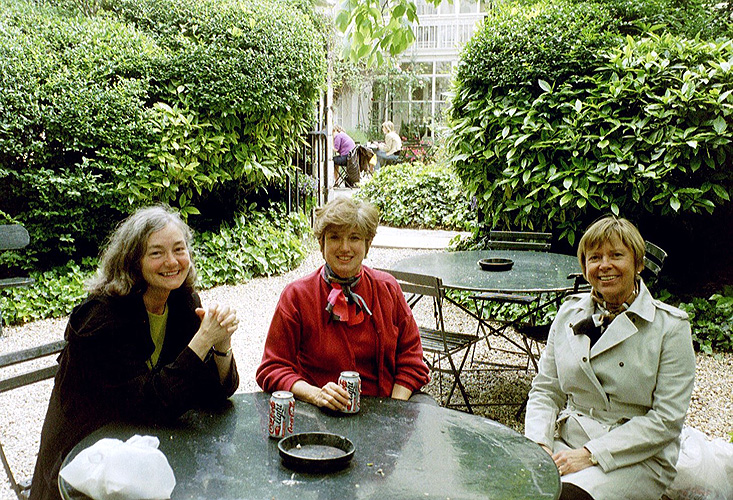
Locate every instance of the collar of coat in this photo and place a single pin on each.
(622, 327)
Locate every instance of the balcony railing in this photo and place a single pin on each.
(441, 33)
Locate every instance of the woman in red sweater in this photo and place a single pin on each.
(344, 316)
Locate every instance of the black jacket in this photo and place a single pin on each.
(103, 376)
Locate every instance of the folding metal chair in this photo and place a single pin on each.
(22, 489)
(441, 344)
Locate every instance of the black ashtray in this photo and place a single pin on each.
(496, 264)
(316, 451)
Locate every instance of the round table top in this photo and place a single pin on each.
(404, 450)
(532, 272)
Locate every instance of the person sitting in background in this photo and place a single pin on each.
(343, 317)
(140, 346)
(615, 379)
(343, 145)
(388, 151)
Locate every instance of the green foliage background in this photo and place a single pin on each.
(197, 103)
(419, 196)
(563, 111)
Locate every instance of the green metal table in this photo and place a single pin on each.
(533, 272)
(404, 450)
(541, 275)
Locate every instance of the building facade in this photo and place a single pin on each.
(414, 96)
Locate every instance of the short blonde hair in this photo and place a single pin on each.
(609, 227)
(337, 128)
(347, 212)
(389, 126)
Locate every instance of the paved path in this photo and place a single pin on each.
(391, 237)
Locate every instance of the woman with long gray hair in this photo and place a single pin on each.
(141, 348)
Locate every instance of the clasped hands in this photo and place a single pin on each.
(569, 461)
(331, 396)
(218, 323)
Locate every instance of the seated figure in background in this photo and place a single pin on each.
(342, 145)
(388, 151)
(344, 317)
(615, 379)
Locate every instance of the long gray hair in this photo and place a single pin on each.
(120, 268)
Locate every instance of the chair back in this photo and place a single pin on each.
(415, 286)
(653, 262)
(13, 237)
(519, 240)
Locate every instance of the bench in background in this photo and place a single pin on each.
(13, 237)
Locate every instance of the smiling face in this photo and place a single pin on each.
(610, 269)
(166, 261)
(344, 248)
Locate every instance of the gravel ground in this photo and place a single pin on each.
(23, 409)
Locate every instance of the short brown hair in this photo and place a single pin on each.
(347, 212)
(606, 228)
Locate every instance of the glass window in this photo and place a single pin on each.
(442, 67)
(468, 6)
(442, 85)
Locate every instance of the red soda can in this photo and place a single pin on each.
(351, 381)
(282, 414)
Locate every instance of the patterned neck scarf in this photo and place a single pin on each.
(343, 303)
(594, 326)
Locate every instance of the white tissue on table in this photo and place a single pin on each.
(111, 469)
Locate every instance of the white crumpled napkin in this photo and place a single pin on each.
(114, 470)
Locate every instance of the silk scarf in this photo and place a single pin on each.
(594, 326)
(343, 303)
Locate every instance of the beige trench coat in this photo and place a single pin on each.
(625, 399)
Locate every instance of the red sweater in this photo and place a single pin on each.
(302, 344)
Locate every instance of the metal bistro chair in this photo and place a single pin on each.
(13, 237)
(442, 345)
(26, 358)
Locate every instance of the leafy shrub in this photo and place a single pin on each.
(146, 101)
(257, 243)
(712, 321)
(419, 195)
(648, 133)
(520, 43)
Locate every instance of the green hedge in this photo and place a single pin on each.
(152, 100)
(647, 133)
(419, 196)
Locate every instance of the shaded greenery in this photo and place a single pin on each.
(638, 126)
(124, 103)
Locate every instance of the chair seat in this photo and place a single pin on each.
(432, 340)
(505, 297)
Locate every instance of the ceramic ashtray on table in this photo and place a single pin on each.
(496, 264)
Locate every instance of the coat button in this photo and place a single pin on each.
(621, 364)
(585, 359)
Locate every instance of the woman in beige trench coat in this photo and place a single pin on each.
(615, 379)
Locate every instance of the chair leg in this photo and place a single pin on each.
(13, 485)
(457, 382)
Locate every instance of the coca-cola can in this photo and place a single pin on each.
(282, 414)
(351, 381)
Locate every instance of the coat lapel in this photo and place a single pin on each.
(623, 327)
(579, 344)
